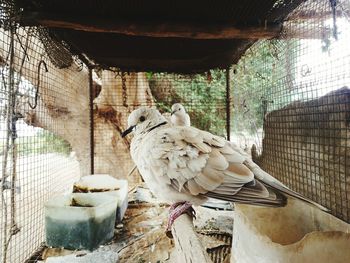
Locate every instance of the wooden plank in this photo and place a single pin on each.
(188, 247)
(154, 29)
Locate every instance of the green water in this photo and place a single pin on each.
(79, 234)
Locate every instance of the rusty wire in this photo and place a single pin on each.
(42, 62)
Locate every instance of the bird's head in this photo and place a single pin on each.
(143, 119)
(177, 109)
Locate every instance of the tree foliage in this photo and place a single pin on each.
(203, 96)
(264, 68)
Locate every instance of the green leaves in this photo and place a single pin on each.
(203, 96)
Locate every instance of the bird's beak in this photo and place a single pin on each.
(173, 112)
(128, 130)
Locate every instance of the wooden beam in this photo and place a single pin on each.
(168, 65)
(188, 247)
(153, 29)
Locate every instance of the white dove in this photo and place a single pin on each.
(179, 116)
(184, 165)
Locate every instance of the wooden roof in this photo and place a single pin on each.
(154, 35)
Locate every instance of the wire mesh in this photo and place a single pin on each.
(121, 93)
(36, 121)
(291, 101)
(290, 110)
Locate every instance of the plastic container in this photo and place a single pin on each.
(122, 199)
(295, 233)
(106, 184)
(80, 220)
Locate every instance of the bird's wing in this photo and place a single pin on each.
(200, 163)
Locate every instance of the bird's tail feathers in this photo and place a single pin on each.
(272, 182)
(254, 194)
(289, 192)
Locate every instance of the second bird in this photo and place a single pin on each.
(179, 116)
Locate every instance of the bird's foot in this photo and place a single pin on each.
(176, 210)
(174, 205)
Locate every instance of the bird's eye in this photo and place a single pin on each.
(142, 118)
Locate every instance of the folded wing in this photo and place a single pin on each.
(199, 163)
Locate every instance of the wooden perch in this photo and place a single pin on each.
(154, 29)
(188, 247)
